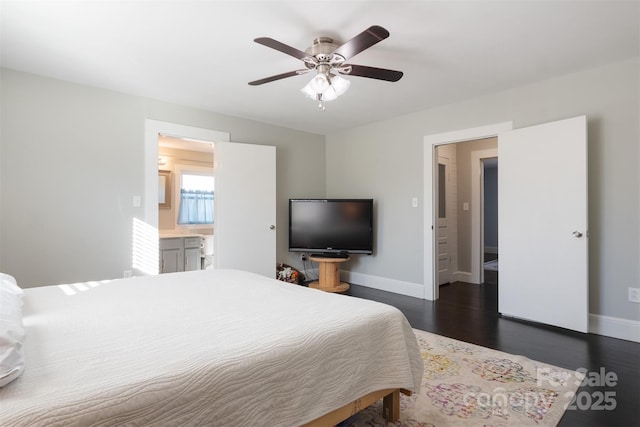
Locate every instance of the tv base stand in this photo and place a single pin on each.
(329, 274)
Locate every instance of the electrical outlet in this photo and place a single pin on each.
(634, 295)
(127, 274)
(303, 257)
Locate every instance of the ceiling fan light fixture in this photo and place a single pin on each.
(339, 84)
(309, 92)
(335, 87)
(330, 94)
(320, 82)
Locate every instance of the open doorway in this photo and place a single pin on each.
(147, 230)
(188, 167)
(186, 204)
(467, 212)
(489, 202)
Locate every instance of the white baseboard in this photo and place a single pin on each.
(410, 289)
(491, 249)
(461, 276)
(614, 327)
(602, 325)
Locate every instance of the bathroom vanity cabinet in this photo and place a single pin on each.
(180, 254)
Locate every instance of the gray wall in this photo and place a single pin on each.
(72, 159)
(384, 160)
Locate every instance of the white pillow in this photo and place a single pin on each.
(11, 330)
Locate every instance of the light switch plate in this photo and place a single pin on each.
(137, 201)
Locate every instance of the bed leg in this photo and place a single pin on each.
(391, 406)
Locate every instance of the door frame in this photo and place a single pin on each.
(431, 288)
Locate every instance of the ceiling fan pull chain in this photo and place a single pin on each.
(320, 102)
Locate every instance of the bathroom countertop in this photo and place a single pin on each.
(174, 235)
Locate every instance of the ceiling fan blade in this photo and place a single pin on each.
(278, 77)
(372, 72)
(275, 44)
(362, 41)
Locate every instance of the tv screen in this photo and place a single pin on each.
(331, 226)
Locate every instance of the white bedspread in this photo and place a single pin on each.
(215, 348)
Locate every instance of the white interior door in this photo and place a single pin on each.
(542, 232)
(245, 207)
(444, 253)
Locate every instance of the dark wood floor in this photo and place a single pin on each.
(469, 313)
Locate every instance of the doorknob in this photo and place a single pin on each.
(577, 233)
(272, 227)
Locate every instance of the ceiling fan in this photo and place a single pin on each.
(329, 62)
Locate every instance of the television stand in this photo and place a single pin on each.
(329, 274)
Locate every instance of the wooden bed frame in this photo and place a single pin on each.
(390, 407)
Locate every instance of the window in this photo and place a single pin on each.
(196, 198)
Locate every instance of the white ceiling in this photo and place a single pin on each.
(202, 54)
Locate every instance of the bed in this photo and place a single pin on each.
(214, 347)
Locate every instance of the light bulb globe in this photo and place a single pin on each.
(319, 83)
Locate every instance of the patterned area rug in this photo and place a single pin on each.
(468, 385)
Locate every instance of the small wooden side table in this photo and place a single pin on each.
(329, 274)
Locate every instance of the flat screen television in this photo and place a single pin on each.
(331, 227)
